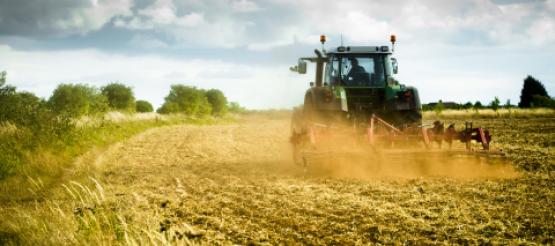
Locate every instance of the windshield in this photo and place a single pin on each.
(356, 70)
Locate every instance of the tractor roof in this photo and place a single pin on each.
(360, 50)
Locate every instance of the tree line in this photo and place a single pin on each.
(75, 100)
(533, 95)
(29, 123)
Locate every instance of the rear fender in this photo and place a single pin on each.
(324, 99)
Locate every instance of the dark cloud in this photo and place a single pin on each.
(184, 25)
(35, 17)
(40, 18)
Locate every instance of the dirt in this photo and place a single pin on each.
(236, 183)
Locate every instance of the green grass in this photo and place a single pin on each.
(48, 168)
(50, 163)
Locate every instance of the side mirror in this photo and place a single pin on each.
(300, 68)
(394, 65)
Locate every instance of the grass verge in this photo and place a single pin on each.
(48, 165)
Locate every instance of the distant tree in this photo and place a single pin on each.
(439, 107)
(477, 105)
(217, 99)
(26, 110)
(186, 99)
(3, 75)
(5, 89)
(531, 88)
(120, 96)
(168, 108)
(77, 99)
(467, 105)
(508, 104)
(543, 101)
(495, 104)
(16, 107)
(143, 106)
(234, 107)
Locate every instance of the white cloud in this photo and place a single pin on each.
(542, 31)
(160, 12)
(550, 4)
(191, 20)
(91, 18)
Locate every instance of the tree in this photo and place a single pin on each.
(77, 100)
(467, 105)
(143, 106)
(495, 104)
(168, 108)
(120, 96)
(543, 101)
(439, 107)
(531, 88)
(217, 99)
(508, 104)
(234, 107)
(2, 78)
(5, 89)
(477, 105)
(186, 99)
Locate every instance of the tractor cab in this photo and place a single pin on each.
(358, 67)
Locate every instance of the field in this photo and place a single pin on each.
(235, 184)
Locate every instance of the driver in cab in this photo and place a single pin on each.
(355, 72)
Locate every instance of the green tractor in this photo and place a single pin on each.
(356, 102)
(355, 82)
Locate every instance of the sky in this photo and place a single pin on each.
(458, 51)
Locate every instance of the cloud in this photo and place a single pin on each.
(266, 24)
(59, 18)
(542, 31)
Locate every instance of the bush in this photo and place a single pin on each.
(143, 106)
(531, 88)
(495, 104)
(218, 101)
(120, 97)
(31, 124)
(77, 100)
(186, 99)
(439, 107)
(234, 107)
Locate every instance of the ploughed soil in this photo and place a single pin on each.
(236, 184)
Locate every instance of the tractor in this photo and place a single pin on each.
(357, 105)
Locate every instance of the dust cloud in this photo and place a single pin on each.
(408, 167)
(354, 158)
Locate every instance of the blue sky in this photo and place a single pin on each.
(451, 50)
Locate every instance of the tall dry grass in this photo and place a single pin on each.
(490, 113)
(81, 214)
